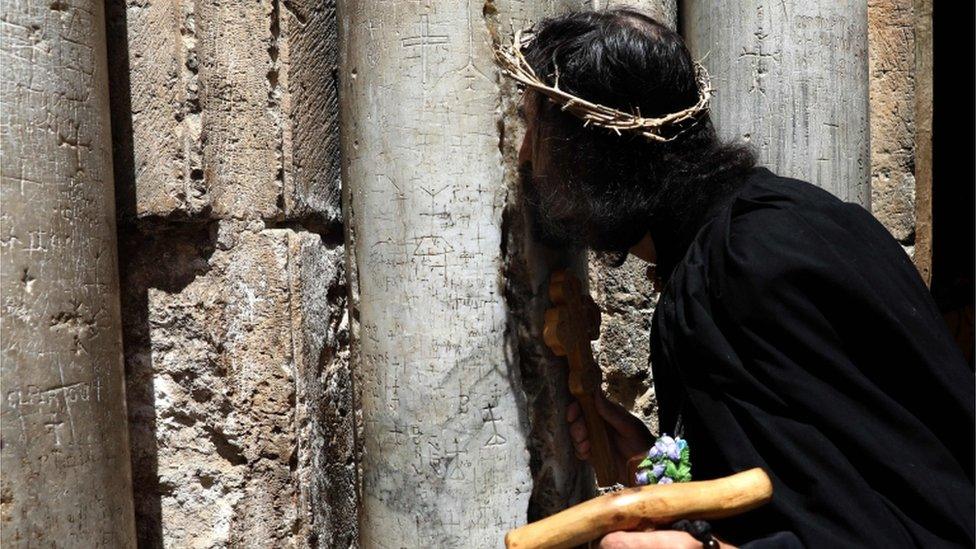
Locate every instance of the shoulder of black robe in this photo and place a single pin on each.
(796, 335)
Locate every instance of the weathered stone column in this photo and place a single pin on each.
(445, 287)
(792, 79)
(232, 266)
(65, 457)
(445, 461)
(891, 60)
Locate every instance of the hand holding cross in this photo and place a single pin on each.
(569, 327)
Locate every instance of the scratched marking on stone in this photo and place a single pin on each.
(427, 188)
(422, 42)
(454, 465)
(496, 438)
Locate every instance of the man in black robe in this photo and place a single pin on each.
(792, 332)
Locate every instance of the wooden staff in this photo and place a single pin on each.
(645, 507)
(569, 327)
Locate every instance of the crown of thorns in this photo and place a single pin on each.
(514, 65)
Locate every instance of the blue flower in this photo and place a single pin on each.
(658, 470)
(668, 446)
(643, 479)
(667, 461)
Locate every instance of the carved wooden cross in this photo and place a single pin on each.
(569, 327)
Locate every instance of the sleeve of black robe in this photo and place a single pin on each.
(797, 336)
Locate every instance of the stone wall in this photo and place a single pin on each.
(891, 58)
(239, 392)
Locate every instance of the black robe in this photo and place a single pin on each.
(794, 334)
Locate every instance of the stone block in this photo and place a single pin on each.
(222, 363)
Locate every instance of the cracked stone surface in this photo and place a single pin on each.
(234, 293)
(891, 34)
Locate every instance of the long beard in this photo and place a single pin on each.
(558, 218)
(555, 218)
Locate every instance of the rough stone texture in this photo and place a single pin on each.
(627, 299)
(154, 67)
(891, 35)
(308, 60)
(923, 137)
(229, 364)
(237, 57)
(792, 79)
(66, 479)
(325, 468)
(233, 108)
(234, 287)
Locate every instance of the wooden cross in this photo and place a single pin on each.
(569, 327)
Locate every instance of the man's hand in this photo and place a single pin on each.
(628, 435)
(661, 539)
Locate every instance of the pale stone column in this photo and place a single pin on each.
(65, 457)
(445, 462)
(445, 287)
(791, 78)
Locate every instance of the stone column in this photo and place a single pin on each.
(438, 287)
(791, 78)
(924, 84)
(65, 457)
(664, 11)
(232, 263)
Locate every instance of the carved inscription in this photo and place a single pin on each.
(794, 83)
(443, 433)
(421, 43)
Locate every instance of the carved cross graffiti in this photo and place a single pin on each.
(569, 327)
(496, 438)
(423, 41)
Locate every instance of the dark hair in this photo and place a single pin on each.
(623, 184)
